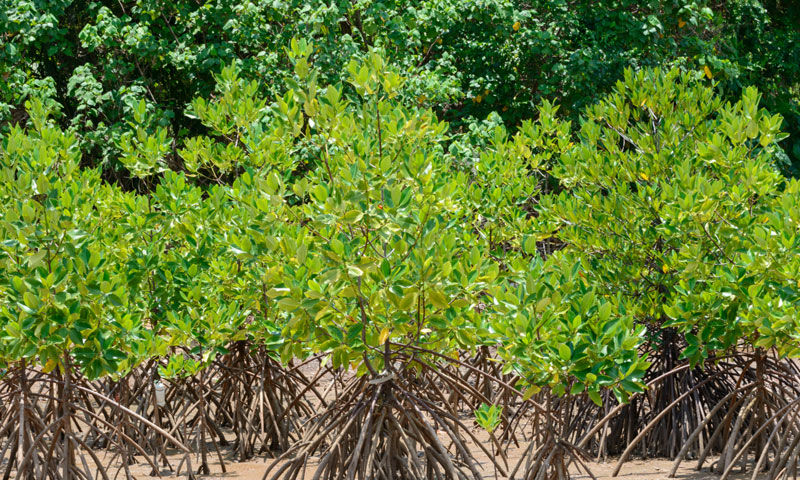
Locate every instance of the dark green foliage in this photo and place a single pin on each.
(466, 59)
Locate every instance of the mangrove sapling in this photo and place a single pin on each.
(489, 418)
(559, 336)
(504, 179)
(203, 311)
(652, 201)
(61, 312)
(755, 322)
(367, 268)
(255, 388)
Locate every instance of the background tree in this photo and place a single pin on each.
(99, 59)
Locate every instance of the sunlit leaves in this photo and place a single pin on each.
(666, 201)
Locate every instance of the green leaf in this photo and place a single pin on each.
(604, 312)
(337, 246)
(352, 216)
(114, 300)
(408, 300)
(36, 259)
(437, 298)
(530, 392)
(31, 300)
(354, 271)
(632, 387)
(542, 304)
(288, 304)
(564, 352)
(530, 245)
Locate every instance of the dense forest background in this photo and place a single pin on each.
(473, 61)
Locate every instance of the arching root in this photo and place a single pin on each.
(392, 426)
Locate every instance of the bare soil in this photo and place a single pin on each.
(650, 469)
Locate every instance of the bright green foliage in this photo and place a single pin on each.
(235, 116)
(109, 277)
(673, 202)
(378, 254)
(213, 182)
(552, 329)
(185, 280)
(489, 417)
(506, 175)
(63, 292)
(143, 153)
(384, 246)
(754, 294)
(557, 332)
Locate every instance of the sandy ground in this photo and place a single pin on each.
(651, 469)
(637, 469)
